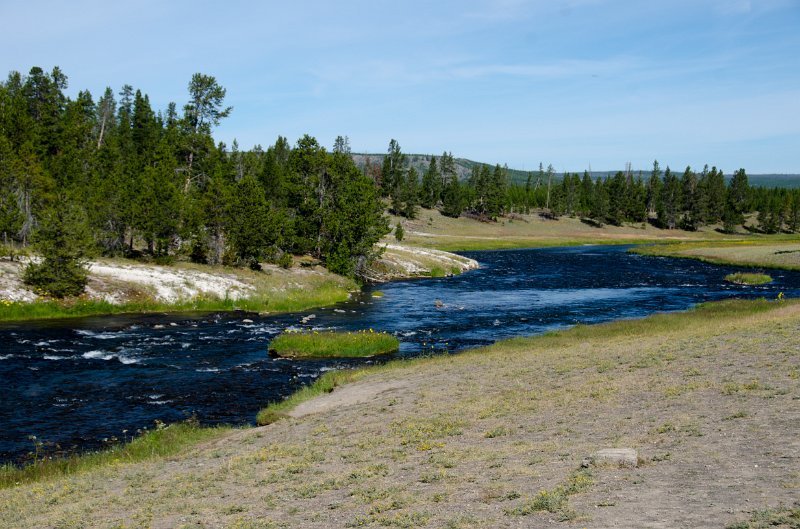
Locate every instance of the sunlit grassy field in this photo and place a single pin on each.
(779, 252)
(432, 229)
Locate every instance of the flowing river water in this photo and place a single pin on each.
(75, 384)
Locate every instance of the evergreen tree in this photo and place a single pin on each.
(216, 204)
(393, 170)
(431, 191)
(691, 201)
(10, 215)
(453, 202)
(793, 212)
(447, 168)
(739, 191)
(247, 222)
(670, 204)
(63, 242)
(341, 145)
(307, 189)
(714, 191)
(654, 186)
(496, 192)
(617, 204)
(586, 192)
(203, 111)
(637, 200)
(600, 207)
(354, 219)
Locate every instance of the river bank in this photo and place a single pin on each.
(483, 438)
(119, 286)
(781, 253)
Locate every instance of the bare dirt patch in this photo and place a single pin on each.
(349, 395)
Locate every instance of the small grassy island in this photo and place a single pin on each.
(332, 344)
(744, 278)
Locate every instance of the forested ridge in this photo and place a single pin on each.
(112, 175)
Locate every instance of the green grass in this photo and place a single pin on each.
(556, 500)
(333, 344)
(744, 278)
(164, 441)
(469, 245)
(778, 517)
(774, 251)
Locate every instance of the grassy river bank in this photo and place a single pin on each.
(488, 438)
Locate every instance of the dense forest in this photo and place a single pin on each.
(113, 176)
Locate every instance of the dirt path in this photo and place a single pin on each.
(349, 395)
(494, 438)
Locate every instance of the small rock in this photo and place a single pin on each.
(438, 304)
(247, 320)
(308, 318)
(158, 326)
(623, 457)
(173, 324)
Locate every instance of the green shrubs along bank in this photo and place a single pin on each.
(332, 344)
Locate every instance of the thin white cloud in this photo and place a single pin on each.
(551, 70)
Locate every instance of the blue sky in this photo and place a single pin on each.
(575, 83)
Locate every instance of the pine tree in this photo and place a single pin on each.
(203, 111)
(496, 192)
(691, 203)
(353, 219)
(670, 204)
(654, 186)
(63, 242)
(11, 218)
(599, 207)
(586, 192)
(616, 188)
(793, 212)
(447, 169)
(431, 192)
(715, 195)
(248, 218)
(393, 170)
(453, 202)
(410, 194)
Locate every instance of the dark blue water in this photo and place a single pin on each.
(73, 383)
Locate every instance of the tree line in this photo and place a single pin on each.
(666, 199)
(114, 176)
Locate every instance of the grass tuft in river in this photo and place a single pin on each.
(332, 344)
(744, 278)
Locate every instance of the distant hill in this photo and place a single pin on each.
(420, 162)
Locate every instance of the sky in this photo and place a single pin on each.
(579, 84)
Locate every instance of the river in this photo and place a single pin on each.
(76, 384)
